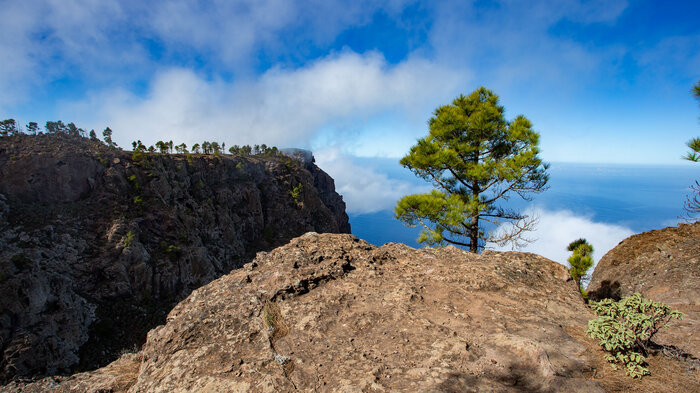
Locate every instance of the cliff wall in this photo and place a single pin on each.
(97, 244)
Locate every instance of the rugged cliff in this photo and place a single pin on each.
(97, 244)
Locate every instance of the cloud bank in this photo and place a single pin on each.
(283, 107)
(556, 229)
(364, 190)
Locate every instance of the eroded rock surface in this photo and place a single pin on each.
(97, 245)
(332, 313)
(663, 265)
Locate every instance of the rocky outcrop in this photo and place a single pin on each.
(662, 265)
(97, 244)
(332, 313)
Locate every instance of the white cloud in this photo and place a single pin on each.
(283, 107)
(113, 42)
(556, 229)
(363, 189)
(233, 30)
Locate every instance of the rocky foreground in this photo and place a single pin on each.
(333, 313)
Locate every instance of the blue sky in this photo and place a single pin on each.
(603, 81)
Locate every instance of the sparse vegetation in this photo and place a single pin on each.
(297, 193)
(625, 330)
(129, 239)
(134, 181)
(692, 201)
(138, 201)
(272, 319)
(10, 127)
(580, 262)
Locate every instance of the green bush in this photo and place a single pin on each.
(625, 329)
(129, 239)
(134, 181)
(297, 193)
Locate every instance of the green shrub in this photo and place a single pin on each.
(129, 239)
(625, 329)
(134, 181)
(297, 193)
(173, 252)
(138, 201)
(139, 158)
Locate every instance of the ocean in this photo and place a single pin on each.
(605, 200)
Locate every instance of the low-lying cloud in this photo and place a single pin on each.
(363, 189)
(283, 107)
(556, 229)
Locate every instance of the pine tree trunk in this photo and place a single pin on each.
(474, 230)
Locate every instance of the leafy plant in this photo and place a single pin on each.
(625, 329)
(172, 251)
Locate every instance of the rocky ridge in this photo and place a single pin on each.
(97, 244)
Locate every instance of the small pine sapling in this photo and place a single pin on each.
(580, 261)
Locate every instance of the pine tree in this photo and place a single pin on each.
(580, 261)
(8, 127)
(474, 158)
(32, 128)
(107, 134)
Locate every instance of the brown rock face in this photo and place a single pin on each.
(97, 245)
(663, 265)
(332, 313)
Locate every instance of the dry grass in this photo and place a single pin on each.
(272, 318)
